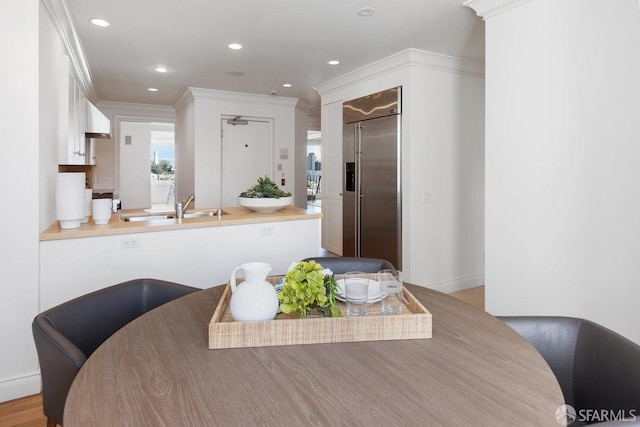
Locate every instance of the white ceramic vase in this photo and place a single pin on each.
(88, 195)
(70, 199)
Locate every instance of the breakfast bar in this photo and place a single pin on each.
(197, 251)
(233, 215)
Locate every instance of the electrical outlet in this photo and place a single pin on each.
(427, 197)
(267, 229)
(129, 242)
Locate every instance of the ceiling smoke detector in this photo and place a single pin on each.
(366, 11)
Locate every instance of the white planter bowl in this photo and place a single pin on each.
(263, 204)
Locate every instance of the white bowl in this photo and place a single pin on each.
(264, 204)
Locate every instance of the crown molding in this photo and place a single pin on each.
(400, 61)
(134, 108)
(490, 8)
(193, 93)
(60, 15)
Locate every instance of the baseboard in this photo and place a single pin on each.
(459, 284)
(15, 388)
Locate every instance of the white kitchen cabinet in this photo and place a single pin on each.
(95, 121)
(332, 176)
(96, 125)
(90, 151)
(71, 118)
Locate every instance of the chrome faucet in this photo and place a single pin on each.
(182, 206)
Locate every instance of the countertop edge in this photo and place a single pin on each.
(234, 216)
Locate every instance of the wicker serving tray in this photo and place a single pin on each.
(289, 329)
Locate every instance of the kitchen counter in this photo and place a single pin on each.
(235, 215)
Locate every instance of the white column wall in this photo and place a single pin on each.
(562, 127)
(20, 133)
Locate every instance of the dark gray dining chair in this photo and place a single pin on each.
(66, 335)
(341, 265)
(597, 369)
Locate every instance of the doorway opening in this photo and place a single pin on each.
(314, 170)
(163, 169)
(146, 166)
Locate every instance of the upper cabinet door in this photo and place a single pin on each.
(71, 143)
(96, 122)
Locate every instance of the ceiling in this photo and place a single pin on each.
(284, 41)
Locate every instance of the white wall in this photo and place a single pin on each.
(442, 154)
(185, 158)
(200, 156)
(562, 150)
(52, 56)
(19, 115)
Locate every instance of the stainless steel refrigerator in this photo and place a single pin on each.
(372, 220)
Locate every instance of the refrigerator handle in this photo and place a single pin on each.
(358, 185)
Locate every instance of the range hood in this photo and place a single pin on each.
(97, 125)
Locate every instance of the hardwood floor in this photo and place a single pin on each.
(27, 411)
(473, 296)
(24, 412)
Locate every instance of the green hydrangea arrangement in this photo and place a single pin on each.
(308, 286)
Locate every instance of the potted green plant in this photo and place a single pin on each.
(308, 288)
(265, 197)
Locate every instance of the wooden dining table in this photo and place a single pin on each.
(159, 371)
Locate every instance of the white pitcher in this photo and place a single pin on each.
(255, 298)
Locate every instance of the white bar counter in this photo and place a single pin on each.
(198, 252)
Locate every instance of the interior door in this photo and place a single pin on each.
(247, 154)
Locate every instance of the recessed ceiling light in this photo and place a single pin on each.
(152, 89)
(235, 46)
(286, 84)
(161, 69)
(366, 11)
(333, 62)
(99, 22)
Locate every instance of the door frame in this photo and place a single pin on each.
(119, 119)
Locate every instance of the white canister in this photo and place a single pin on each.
(101, 209)
(88, 195)
(70, 200)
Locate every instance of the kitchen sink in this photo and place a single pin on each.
(156, 217)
